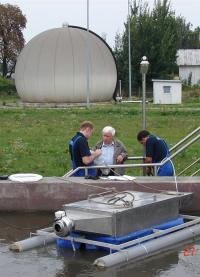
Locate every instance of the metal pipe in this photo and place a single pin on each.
(120, 88)
(143, 101)
(148, 248)
(129, 50)
(135, 158)
(70, 173)
(195, 173)
(184, 139)
(188, 167)
(185, 146)
(32, 242)
(88, 59)
(133, 101)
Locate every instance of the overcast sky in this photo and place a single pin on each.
(106, 16)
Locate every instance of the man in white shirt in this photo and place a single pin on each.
(113, 152)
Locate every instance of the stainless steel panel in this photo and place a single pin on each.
(148, 209)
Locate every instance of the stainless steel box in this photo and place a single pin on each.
(102, 216)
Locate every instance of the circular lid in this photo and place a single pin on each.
(25, 177)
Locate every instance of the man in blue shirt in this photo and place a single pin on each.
(156, 151)
(79, 149)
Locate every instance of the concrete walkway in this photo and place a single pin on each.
(51, 193)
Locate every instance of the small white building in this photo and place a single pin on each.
(188, 61)
(167, 91)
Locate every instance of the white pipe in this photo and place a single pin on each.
(149, 248)
(32, 242)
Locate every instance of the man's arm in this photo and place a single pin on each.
(88, 159)
(148, 160)
(123, 153)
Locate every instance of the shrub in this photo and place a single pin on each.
(7, 86)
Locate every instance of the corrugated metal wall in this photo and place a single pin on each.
(188, 61)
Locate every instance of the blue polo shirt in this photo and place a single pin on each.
(79, 148)
(156, 148)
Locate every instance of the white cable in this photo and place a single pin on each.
(175, 177)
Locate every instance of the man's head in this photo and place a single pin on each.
(87, 128)
(108, 134)
(142, 136)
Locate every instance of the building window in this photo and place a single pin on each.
(166, 89)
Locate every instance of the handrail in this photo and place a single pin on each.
(184, 139)
(135, 158)
(185, 146)
(70, 173)
(188, 167)
(195, 172)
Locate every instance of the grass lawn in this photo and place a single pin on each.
(36, 139)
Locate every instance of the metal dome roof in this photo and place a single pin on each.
(52, 67)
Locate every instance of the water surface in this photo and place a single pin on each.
(49, 261)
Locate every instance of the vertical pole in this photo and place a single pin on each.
(88, 60)
(129, 49)
(120, 88)
(144, 101)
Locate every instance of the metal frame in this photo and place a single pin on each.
(189, 167)
(194, 220)
(195, 173)
(186, 138)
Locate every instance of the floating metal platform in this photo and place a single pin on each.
(116, 215)
(122, 213)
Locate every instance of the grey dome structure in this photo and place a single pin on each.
(52, 67)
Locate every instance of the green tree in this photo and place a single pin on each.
(12, 22)
(157, 34)
(188, 39)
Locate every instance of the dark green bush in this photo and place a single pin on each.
(7, 86)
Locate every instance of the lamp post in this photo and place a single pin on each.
(129, 51)
(144, 65)
(88, 60)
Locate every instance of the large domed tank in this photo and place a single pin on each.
(52, 67)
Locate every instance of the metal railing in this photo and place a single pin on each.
(188, 167)
(185, 139)
(195, 172)
(154, 165)
(176, 145)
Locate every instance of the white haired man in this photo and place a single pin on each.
(113, 152)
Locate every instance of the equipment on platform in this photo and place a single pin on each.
(118, 214)
(131, 225)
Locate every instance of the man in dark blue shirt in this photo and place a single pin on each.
(79, 149)
(156, 151)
